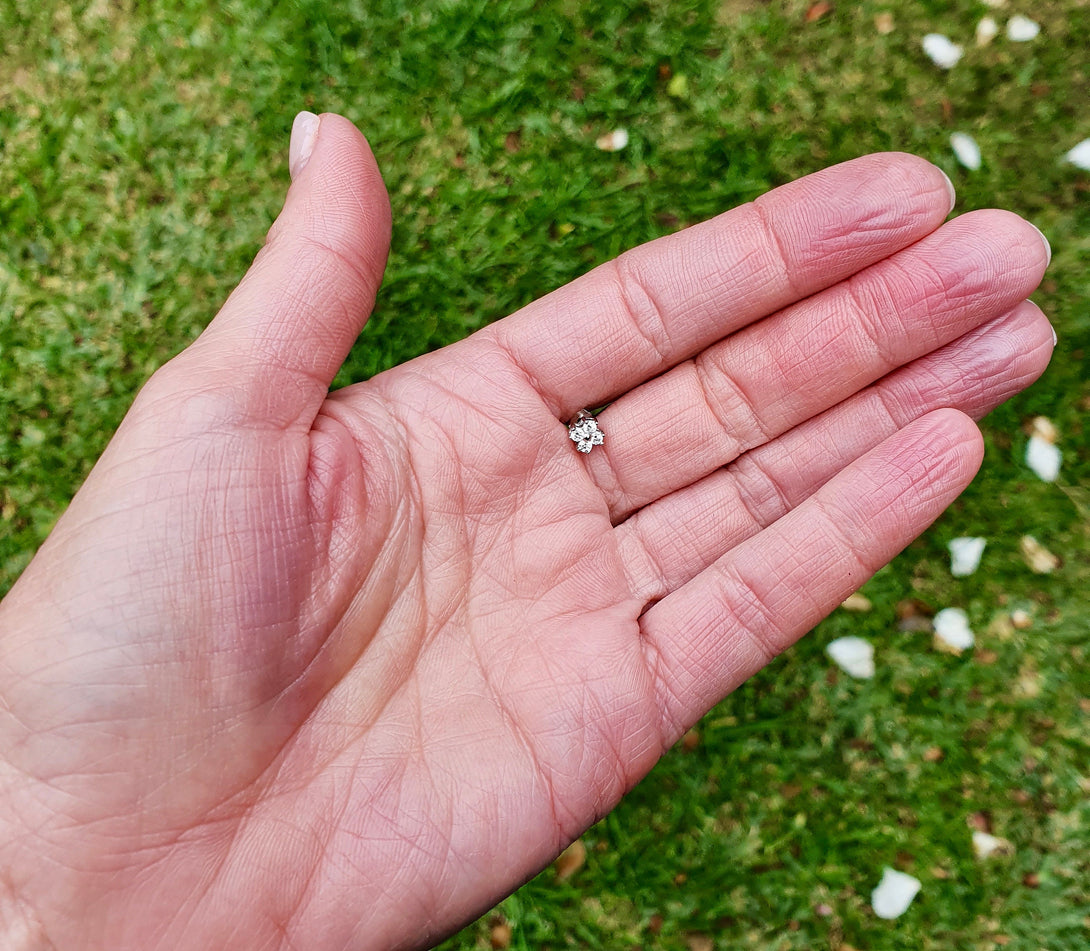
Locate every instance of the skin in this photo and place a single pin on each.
(315, 670)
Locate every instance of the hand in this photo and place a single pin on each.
(318, 670)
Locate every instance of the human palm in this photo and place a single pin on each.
(318, 670)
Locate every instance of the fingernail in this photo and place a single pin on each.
(304, 133)
(1048, 247)
(950, 188)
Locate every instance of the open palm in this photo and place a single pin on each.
(316, 670)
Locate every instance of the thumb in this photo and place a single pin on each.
(271, 353)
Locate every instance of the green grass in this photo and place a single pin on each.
(144, 154)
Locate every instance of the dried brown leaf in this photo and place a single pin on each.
(1043, 428)
(500, 935)
(572, 859)
(917, 624)
(857, 602)
(979, 821)
(912, 607)
(1028, 684)
(1039, 558)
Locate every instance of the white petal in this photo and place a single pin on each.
(1043, 458)
(1080, 155)
(941, 51)
(853, 655)
(894, 894)
(613, 141)
(986, 31)
(952, 629)
(985, 845)
(965, 555)
(966, 150)
(1021, 29)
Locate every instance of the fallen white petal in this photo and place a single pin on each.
(985, 845)
(966, 150)
(613, 141)
(965, 555)
(941, 51)
(995, 4)
(1043, 458)
(894, 894)
(986, 31)
(1022, 29)
(1021, 619)
(1079, 156)
(952, 629)
(853, 655)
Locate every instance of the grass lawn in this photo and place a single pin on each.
(144, 154)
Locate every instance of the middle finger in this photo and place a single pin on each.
(769, 377)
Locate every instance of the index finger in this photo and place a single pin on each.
(632, 318)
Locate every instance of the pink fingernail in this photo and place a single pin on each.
(951, 189)
(304, 133)
(1048, 247)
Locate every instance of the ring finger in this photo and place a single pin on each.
(666, 544)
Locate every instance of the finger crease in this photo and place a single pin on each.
(778, 249)
(353, 267)
(647, 318)
(754, 616)
(863, 310)
(749, 498)
(711, 379)
(650, 583)
(842, 540)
